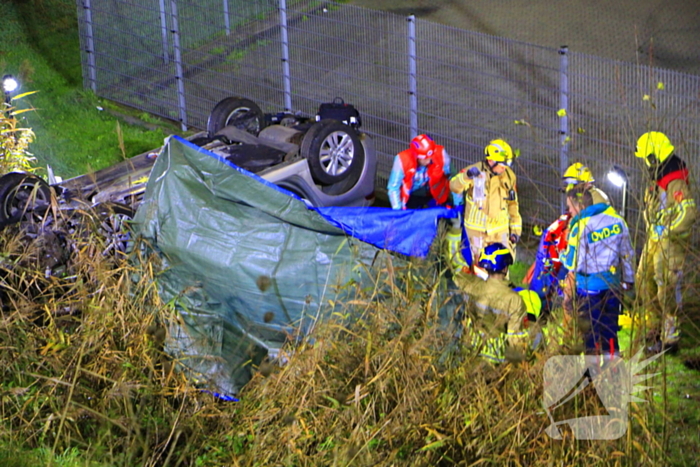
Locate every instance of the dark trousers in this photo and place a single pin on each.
(598, 314)
(420, 199)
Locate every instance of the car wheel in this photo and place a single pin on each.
(239, 112)
(334, 152)
(300, 188)
(22, 193)
(114, 226)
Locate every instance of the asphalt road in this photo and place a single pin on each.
(621, 29)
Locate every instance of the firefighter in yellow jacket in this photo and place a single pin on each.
(491, 212)
(500, 314)
(669, 212)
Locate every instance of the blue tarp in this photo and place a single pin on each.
(409, 232)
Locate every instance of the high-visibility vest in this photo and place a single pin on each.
(438, 182)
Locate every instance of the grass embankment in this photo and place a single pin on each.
(39, 45)
(383, 383)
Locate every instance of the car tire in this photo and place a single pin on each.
(300, 188)
(334, 152)
(239, 112)
(113, 226)
(21, 193)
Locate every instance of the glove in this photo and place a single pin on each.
(514, 238)
(473, 172)
(659, 230)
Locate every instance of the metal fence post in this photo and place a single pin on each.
(179, 78)
(164, 31)
(227, 20)
(286, 78)
(563, 114)
(92, 69)
(412, 81)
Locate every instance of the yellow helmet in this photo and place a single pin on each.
(654, 143)
(499, 151)
(575, 174)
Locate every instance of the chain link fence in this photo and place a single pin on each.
(178, 58)
(652, 32)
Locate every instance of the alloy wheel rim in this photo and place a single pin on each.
(337, 153)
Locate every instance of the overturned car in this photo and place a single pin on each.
(324, 161)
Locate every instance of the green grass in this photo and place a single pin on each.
(72, 135)
(675, 391)
(682, 409)
(11, 456)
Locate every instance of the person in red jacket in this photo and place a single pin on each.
(420, 176)
(542, 276)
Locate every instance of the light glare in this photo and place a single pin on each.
(9, 83)
(616, 179)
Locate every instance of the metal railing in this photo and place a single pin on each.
(177, 58)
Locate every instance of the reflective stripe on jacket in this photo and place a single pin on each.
(669, 204)
(498, 211)
(455, 245)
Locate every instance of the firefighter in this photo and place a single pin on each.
(578, 174)
(491, 212)
(420, 176)
(597, 267)
(669, 213)
(498, 321)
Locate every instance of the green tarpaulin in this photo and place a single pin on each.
(247, 266)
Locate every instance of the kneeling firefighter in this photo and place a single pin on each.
(499, 314)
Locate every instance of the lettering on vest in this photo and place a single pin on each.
(604, 233)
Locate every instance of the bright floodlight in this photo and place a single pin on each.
(617, 177)
(9, 84)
